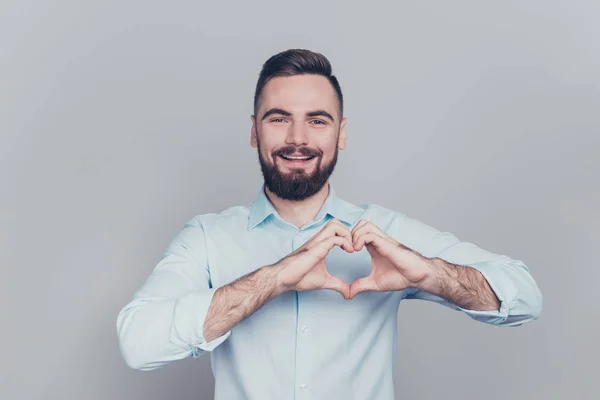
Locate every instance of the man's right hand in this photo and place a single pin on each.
(304, 269)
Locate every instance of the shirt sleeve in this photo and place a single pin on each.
(510, 279)
(164, 321)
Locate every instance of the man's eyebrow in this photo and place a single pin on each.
(321, 113)
(276, 111)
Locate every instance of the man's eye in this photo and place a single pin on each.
(318, 122)
(277, 120)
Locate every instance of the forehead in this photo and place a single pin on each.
(298, 94)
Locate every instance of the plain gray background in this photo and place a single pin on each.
(121, 120)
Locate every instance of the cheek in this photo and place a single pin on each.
(266, 143)
(328, 149)
(265, 153)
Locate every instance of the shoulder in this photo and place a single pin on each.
(192, 238)
(400, 225)
(231, 218)
(381, 216)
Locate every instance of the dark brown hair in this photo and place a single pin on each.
(297, 62)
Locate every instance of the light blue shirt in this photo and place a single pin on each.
(300, 345)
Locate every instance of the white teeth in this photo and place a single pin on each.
(296, 157)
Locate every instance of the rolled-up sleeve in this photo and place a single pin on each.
(510, 279)
(164, 321)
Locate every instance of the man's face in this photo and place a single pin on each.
(297, 130)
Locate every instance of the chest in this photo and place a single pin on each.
(233, 256)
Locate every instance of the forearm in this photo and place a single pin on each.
(236, 301)
(461, 285)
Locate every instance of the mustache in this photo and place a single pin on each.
(289, 150)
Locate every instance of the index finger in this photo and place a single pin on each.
(335, 228)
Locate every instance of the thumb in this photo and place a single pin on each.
(337, 284)
(362, 285)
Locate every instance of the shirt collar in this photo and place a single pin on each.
(335, 206)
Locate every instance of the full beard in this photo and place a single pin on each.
(297, 184)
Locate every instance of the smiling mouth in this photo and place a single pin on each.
(296, 158)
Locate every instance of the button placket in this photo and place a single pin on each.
(303, 362)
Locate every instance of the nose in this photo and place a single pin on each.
(297, 134)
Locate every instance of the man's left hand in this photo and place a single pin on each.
(394, 266)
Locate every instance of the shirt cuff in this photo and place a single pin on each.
(188, 322)
(503, 287)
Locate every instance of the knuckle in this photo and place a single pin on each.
(327, 230)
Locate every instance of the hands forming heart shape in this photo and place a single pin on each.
(394, 266)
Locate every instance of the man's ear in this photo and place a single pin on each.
(342, 137)
(253, 138)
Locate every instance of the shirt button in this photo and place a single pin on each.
(304, 328)
(303, 386)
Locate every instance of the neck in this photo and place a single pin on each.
(299, 212)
